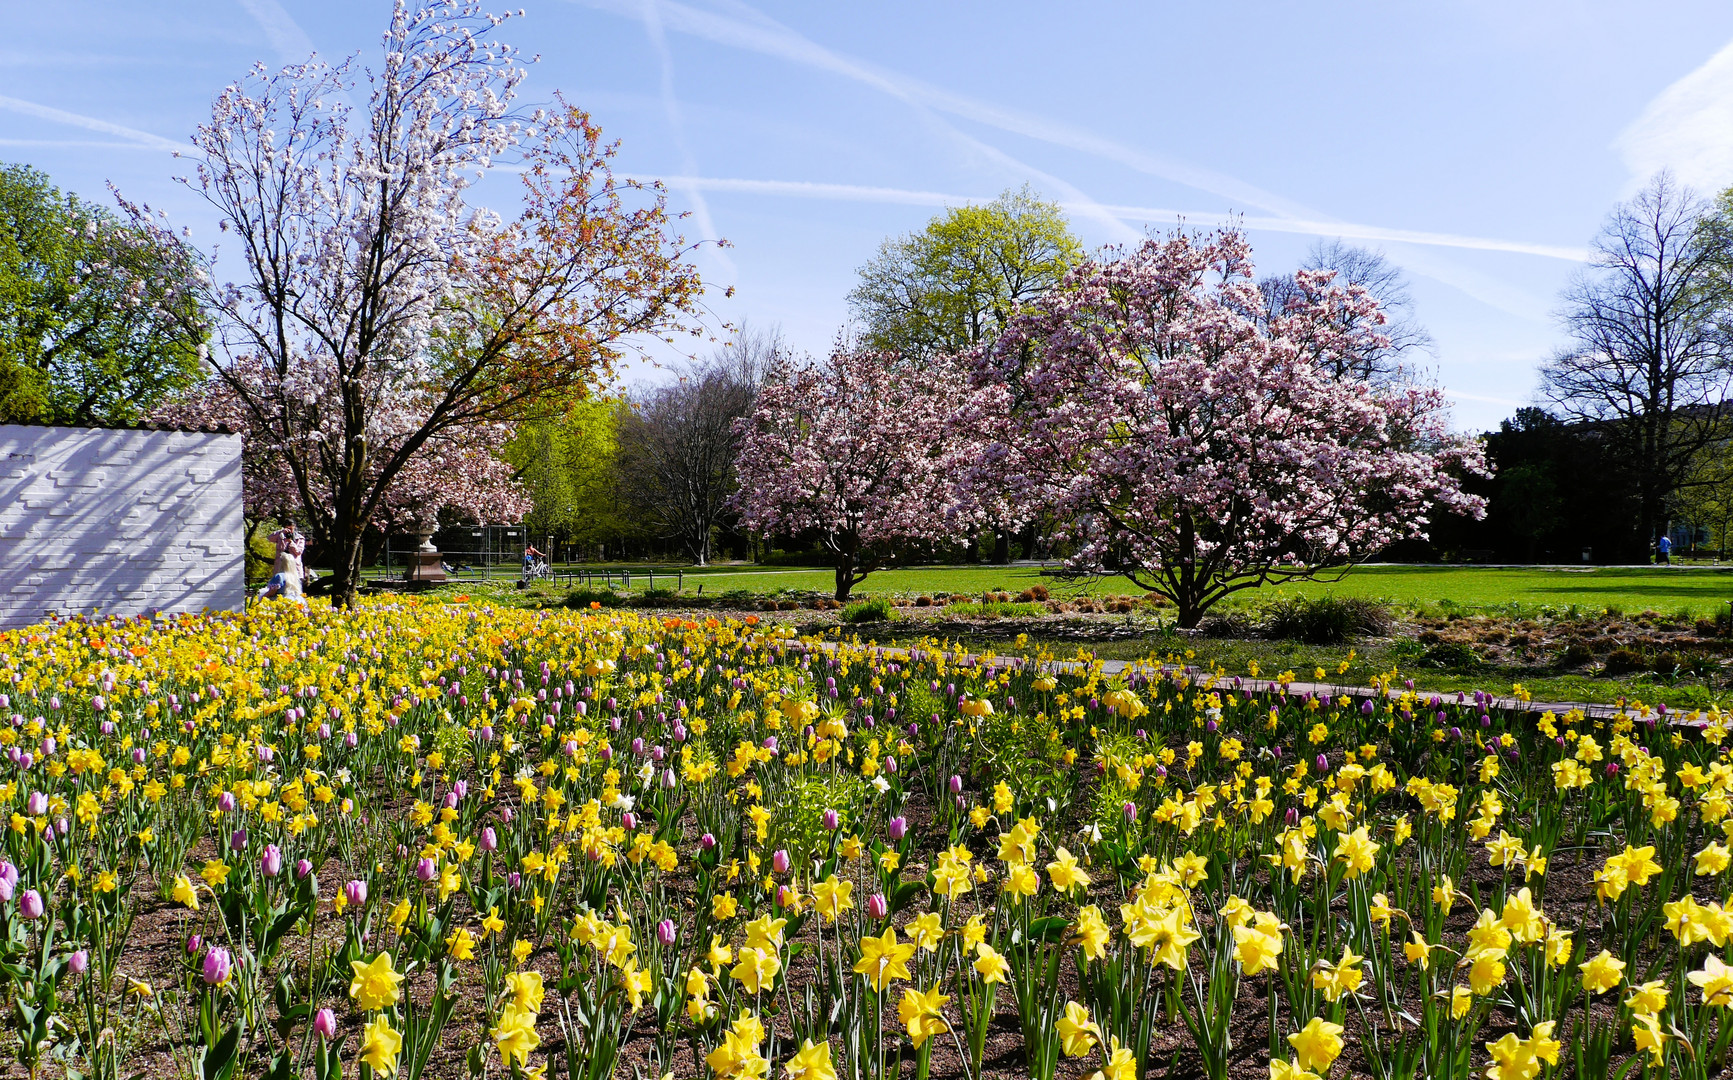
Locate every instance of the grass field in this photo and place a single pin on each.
(1701, 590)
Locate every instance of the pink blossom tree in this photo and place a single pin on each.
(378, 315)
(1200, 444)
(466, 476)
(859, 449)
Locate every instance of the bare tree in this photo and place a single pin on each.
(677, 445)
(1649, 358)
(1405, 340)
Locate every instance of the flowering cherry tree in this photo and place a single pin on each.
(1199, 444)
(861, 450)
(380, 321)
(466, 475)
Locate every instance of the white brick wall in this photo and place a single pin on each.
(118, 521)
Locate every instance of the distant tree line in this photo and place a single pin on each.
(1633, 435)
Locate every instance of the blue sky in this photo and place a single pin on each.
(1478, 144)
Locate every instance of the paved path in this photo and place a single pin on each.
(1294, 689)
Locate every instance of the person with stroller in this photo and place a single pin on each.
(288, 575)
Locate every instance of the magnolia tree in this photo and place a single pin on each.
(380, 321)
(464, 475)
(1197, 445)
(859, 449)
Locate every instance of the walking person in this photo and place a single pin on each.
(1664, 550)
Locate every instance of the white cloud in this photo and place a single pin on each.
(91, 123)
(1687, 128)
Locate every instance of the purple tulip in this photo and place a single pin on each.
(707, 842)
(956, 785)
(325, 1023)
(79, 962)
(628, 821)
(426, 869)
(226, 802)
(489, 839)
(1130, 810)
(899, 828)
(36, 805)
(238, 840)
(779, 862)
(877, 906)
(30, 905)
(218, 966)
(356, 892)
(1323, 763)
(665, 932)
(505, 815)
(271, 862)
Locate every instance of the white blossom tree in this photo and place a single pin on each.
(376, 309)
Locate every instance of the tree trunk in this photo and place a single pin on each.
(844, 577)
(1001, 547)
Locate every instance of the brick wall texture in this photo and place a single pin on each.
(120, 522)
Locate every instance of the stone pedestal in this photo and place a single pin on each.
(424, 562)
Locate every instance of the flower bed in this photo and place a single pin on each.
(450, 839)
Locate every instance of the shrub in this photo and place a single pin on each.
(1228, 623)
(1326, 620)
(583, 598)
(923, 601)
(1453, 655)
(878, 609)
(1575, 654)
(1625, 661)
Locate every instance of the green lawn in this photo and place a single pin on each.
(1702, 590)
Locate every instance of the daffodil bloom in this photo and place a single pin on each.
(922, 1014)
(380, 1045)
(1357, 851)
(375, 983)
(811, 1062)
(184, 893)
(1602, 973)
(1078, 1034)
(515, 1034)
(992, 967)
(883, 959)
(1064, 872)
(1714, 981)
(1317, 1045)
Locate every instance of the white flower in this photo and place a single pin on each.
(881, 784)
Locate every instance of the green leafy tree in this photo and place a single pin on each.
(98, 320)
(954, 284)
(570, 466)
